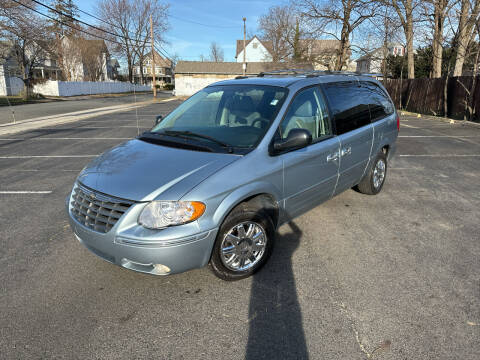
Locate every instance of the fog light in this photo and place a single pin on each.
(160, 269)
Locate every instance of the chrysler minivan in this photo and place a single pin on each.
(212, 181)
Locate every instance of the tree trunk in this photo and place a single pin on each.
(439, 17)
(464, 33)
(343, 49)
(409, 37)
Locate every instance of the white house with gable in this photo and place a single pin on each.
(256, 51)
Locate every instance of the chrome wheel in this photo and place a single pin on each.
(379, 173)
(243, 246)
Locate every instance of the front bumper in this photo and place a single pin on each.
(124, 245)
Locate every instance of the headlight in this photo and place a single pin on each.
(160, 214)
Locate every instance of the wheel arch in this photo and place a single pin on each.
(257, 194)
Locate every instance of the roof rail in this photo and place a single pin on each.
(284, 72)
(314, 73)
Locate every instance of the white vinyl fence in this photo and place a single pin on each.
(72, 88)
(10, 85)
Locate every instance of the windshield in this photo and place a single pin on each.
(235, 116)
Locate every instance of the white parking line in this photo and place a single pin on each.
(440, 155)
(25, 192)
(70, 138)
(438, 136)
(95, 127)
(49, 170)
(45, 156)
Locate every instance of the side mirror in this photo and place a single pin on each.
(158, 119)
(296, 139)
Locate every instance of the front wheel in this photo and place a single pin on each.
(373, 182)
(243, 245)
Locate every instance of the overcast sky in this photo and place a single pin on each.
(222, 22)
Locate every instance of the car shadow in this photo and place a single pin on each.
(275, 318)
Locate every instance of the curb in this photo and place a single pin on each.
(438, 118)
(36, 123)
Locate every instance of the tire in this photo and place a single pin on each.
(373, 182)
(231, 245)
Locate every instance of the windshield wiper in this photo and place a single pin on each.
(187, 133)
(158, 138)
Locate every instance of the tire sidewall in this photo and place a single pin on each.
(233, 219)
(380, 156)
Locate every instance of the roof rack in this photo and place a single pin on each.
(314, 73)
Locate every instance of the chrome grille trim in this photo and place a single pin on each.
(95, 210)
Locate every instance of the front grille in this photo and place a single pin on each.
(95, 210)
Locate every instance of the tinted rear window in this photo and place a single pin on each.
(349, 105)
(380, 104)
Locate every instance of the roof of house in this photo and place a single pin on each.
(377, 53)
(318, 46)
(266, 43)
(159, 60)
(232, 68)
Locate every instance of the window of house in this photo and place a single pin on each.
(255, 45)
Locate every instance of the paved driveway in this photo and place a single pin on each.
(393, 276)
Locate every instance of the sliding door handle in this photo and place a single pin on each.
(346, 151)
(332, 157)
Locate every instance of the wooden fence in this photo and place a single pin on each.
(427, 96)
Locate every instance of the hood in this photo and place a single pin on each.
(140, 171)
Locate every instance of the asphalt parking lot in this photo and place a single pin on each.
(393, 276)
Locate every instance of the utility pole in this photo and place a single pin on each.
(244, 66)
(154, 83)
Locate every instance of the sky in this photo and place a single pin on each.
(194, 24)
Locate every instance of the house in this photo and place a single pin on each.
(84, 59)
(45, 67)
(192, 76)
(256, 50)
(321, 53)
(163, 70)
(372, 61)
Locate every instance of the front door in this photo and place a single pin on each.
(310, 174)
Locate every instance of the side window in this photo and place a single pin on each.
(349, 105)
(307, 111)
(380, 104)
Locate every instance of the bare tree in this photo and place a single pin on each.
(129, 19)
(329, 15)
(437, 11)
(278, 26)
(405, 11)
(26, 35)
(93, 58)
(216, 52)
(141, 20)
(467, 17)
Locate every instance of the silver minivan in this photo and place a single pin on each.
(214, 179)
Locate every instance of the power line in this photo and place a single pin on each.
(107, 22)
(82, 22)
(66, 24)
(207, 25)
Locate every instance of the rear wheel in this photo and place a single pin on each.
(244, 243)
(373, 182)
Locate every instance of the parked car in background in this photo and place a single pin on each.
(215, 178)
